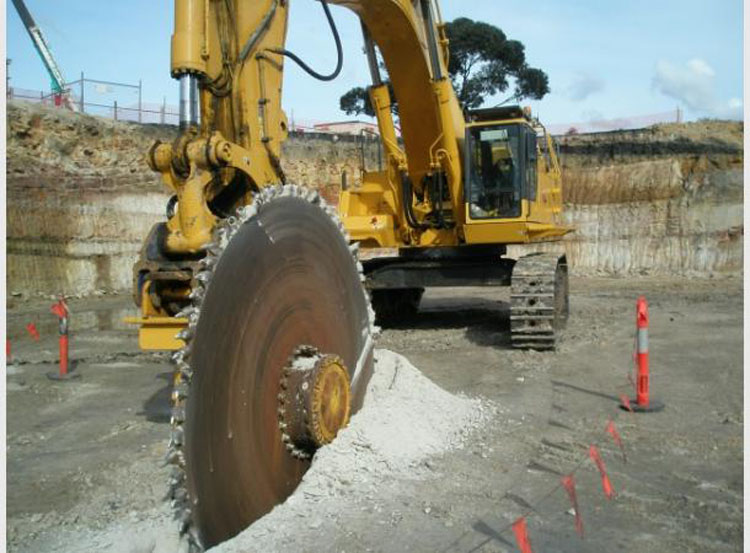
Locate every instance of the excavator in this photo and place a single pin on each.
(257, 285)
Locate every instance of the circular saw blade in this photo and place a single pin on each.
(286, 277)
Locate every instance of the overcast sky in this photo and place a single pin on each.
(605, 59)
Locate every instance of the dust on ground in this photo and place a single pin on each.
(84, 457)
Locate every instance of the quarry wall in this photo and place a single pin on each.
(667, 200)
(80, 198)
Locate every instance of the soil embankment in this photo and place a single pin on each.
(664, 200)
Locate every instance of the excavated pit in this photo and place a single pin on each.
(432, 469)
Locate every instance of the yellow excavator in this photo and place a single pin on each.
(257, 284)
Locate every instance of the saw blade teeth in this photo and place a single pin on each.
(184, 520)
(180, 391)
(187, 374)
(177, 476)
(209, 261)
(185, 334)
(186, 350)
(179, 496)
(310, 195)
(195, 542)
(177, 435)
(251, 211)
(204, 277)
(185, 313)
(178, 414)
(174, 457)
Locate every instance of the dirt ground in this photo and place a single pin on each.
(86, 455)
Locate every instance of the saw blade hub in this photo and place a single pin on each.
(315, 400)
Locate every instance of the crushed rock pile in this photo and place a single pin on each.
(405, 420)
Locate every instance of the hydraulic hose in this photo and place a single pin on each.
(406, 197)
(339, 51)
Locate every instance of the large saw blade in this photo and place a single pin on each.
(285, 277)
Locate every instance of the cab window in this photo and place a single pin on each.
(496, 172)
(531, 156)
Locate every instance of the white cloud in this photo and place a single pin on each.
(693, 85)
(584, 86)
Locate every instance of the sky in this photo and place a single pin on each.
(604, 59)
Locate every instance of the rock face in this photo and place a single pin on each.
(81, 199)
(663, 200)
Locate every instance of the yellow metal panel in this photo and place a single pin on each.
(158, 333)
(496, 231)
(372, 230)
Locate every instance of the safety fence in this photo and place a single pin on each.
(110, 99)
(124, 102)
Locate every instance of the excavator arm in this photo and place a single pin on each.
(229, 59)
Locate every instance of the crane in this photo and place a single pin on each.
(57, 81)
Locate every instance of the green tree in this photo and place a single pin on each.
(483, 62)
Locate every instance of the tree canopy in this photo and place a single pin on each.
(483, 63)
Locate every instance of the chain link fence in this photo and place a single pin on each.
(124, 102)
(113, 100)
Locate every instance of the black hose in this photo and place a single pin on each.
(406, 196)
(339, 51)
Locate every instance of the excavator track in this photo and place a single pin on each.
(393, 306)
(278, 278)
(538, 301)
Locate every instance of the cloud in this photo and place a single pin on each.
(584, 86)
(693, 85)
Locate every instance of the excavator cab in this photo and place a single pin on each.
(511, 191)
(496, 172)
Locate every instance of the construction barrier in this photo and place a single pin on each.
(60, 309)
(641, 310)
(643, 402)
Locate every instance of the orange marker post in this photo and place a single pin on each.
(61, 310)
(643, 402)
(641, 321)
